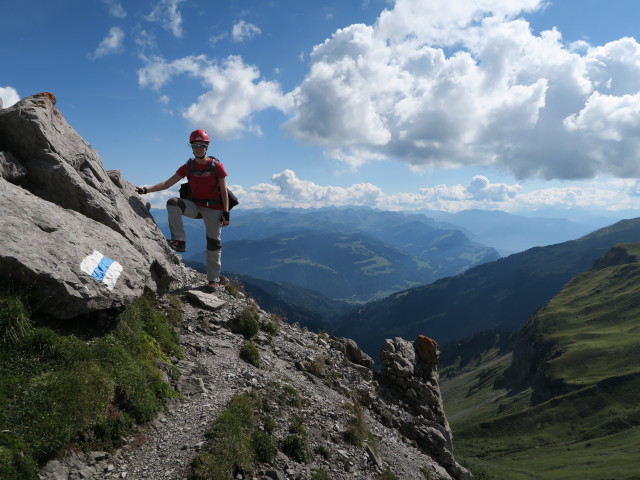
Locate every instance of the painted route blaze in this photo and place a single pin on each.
(101, 268)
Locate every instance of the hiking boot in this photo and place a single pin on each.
(178, 245)
(212, 286)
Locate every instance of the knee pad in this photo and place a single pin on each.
(176, 202)
(213, 244)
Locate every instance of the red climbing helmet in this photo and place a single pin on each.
(199, 136)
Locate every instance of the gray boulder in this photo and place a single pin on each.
(75, 233)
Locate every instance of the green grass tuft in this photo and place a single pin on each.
(272, 325)
(356, 432)
(235, 443)
(294, 447)
(320, 475)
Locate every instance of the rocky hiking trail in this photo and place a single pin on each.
(212, 373)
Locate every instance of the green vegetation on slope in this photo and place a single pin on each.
(349, 265)
(589, 373)
(59, 390)
(245, 435)
(595, 324)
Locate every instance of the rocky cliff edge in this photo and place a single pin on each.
(73, 234)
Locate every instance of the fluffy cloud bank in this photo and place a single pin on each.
(468, 83)
(442, 84)
(287, 190)
(235, 92)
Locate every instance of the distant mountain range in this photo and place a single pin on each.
(510, 233)
(565, 403)
(348, 254)
(501, 294)
(506, 232)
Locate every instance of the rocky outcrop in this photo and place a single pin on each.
(411, 371)
(74, 234)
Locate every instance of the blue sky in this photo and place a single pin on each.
(517, 105)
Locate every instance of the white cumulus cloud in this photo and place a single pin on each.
(234, 91)
(287, 190)
(242, 31)
(467, 82)
(167, 14)
(438, 84)
(304, 194)
(112, 43)
(115, 9)
(9, 96)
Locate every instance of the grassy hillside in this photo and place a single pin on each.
(60, 389)
(575, 413)
(501, 294)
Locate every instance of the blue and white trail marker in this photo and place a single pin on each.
(101, 268)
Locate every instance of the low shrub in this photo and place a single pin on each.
(294, 447)
(322, 451)
(297, 426)
(356, 431)
(318, 366)
(14, 320)
(264, 446)
(271, 325)
(288, 395)
(388, 475)
(249, 352)
(320, 475)
(247, 323)
(235, 287)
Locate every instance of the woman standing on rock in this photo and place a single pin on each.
(208, 199)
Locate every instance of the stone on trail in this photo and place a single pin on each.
(206, 300)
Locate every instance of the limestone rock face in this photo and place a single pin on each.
(411, 369)
(76, 234)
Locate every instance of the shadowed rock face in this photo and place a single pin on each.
(411, 370)
(71, 231)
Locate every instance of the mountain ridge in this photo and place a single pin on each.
(500, 294)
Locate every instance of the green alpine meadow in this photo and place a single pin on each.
(563, 405)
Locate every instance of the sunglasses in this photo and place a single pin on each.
(198, 145)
